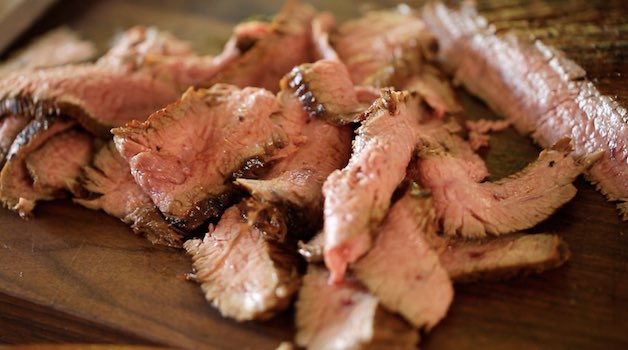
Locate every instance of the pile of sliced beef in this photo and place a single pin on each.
(315, 162)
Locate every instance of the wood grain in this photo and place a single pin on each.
(74, 275)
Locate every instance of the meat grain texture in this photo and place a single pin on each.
(538, 89)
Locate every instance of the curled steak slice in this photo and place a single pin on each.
(100, 97)
(357, 197)
(243, 274)
(345, 316)
(541, 91)
(55, 48)
(266, 61)
(325, 90)
(56, 165)
(185, 155)
(501, 257)
(16, 185)
(115, 191)
(472, 209)
(417, 286)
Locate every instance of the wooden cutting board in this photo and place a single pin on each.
(75, 275)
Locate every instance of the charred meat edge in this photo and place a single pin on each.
(16, 186)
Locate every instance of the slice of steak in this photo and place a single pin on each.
(16, 185)
(144, 71)
(417, 286)
(242, 273)
(345, 316)
(55, 48)
(382, 44)
(266, 61)
(357, 197)
(99, 97)
(487, 259)
(10, 127)
(537, 88)
(394, 49)
(325, 90)
(471, 209)
(502, 257)
(186, 155)
(297, 185)
(56, 165)
(114, 190)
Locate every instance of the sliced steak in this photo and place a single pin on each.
(55, 48)
(357, 197)
(56, 165)
(10, 127)
(114, 190)
(471, 209)
(487, 259)
(346, 316)
(295, 182)
(540, 90)
(266, 62)
(242, 273)
(325, 90)
(186, 155)
(382, 44)
(98, 96)
(144, 71)
(16, 185)
(417, 286)
(502, 257)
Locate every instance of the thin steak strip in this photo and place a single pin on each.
(417, 286)
(143, 72)
(242, 272)
(357, 197)
(537, 88)
(325, 90)
(186, 155)
(114, 190)
(500, 258)
(520, 201)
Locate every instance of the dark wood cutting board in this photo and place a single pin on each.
(74, 275)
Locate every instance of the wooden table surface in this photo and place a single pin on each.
(77, 276)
